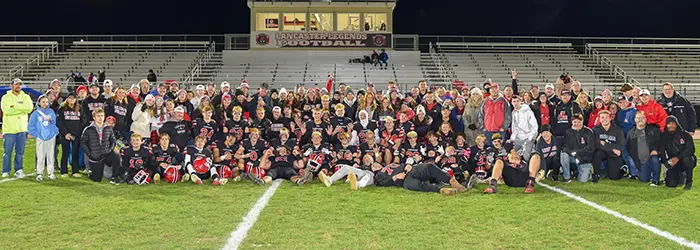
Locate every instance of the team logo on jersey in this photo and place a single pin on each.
(583, 141)
(682, 141)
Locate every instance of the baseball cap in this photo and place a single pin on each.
(549, 86)
(200, 87)
(243, 85)
(598, 98)
(624, 98)
(494, 85)
(644, 92)
(276, 108)
(225, 84)
(107, 83)
(16, 81)
(92, 85)
(135, 86)
(110, 118)
(179, 109)
(566, 92)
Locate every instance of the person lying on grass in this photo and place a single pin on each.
(515, 172)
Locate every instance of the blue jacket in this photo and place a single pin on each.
(40, 127)
(625, 118)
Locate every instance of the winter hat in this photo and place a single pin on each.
(71, 94)
(239, 92)
(179, 109)
(549, 86)
(135, 86)
(81, 87)
(226, 96)
(243, 85)
(459, 98)
(476, 90)
(674, 119)
(420, 109)
(182, 91)
(347, 91)
(447, 97)
(273, 91)
(546, 127)
(324, 91)
(283, 91)
(225, 84)
(150, 97)
(362, 91)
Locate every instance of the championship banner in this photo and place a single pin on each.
(300, 39)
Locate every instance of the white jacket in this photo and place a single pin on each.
(524, 124)
(142, 122)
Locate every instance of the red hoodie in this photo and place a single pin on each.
(593, 118)
(655, 113)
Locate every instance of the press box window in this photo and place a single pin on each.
(375, 22)
(294, 21)
(321, 22)
(349, 22)
(267, 21)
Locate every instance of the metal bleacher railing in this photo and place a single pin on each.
(201, 61)
(603, 61)
(45, 53)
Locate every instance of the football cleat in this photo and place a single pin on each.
(196, 179)
(473, 180)
(156, 178)
(257, 180)
(324, 179)
(352, 179)
(236, 179)
(52, 177)
(540, 176)
(185, 177)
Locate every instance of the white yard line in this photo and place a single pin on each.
(680, 240)
(240, 233)
(15, 178)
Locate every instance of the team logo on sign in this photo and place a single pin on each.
(262, 39)
(379, 40)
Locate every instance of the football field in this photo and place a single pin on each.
(77, 213)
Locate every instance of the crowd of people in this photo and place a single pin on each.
(424, 139)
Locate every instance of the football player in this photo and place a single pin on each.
(280, 164)
(478, 166)
(199, 165)
(433, 151)
(452, 164)
(515, 172)
(390, 138)
(359, 176)
(277, 123)
(316, 125)
(410, 150)
(135, 162)
(340, 123)
(224, 159)
(284, 140)
(344, 154)
(205, 126)
(250, 152)
(237, 125)
(362, 126)
(261, 123)
(370, 147)
(315, 157)
(166, 157)
(405, 124)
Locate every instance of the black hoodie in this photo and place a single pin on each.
(675, 144)
(581, 142)
(614, 138)
(681, 108)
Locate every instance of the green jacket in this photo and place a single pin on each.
(15, 109)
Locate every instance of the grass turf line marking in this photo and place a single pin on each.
(680, 240)
(15, 178)
(239, 235)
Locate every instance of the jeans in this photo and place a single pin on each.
(630, 163)
(17, 142)
(584, 169)
(651, 170)
(489, 134)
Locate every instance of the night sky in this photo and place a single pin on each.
(639, 18)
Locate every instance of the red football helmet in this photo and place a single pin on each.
(171, 174)
(254, 170)
(224, 171)
(201, 165)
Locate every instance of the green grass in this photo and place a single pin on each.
(76, 213)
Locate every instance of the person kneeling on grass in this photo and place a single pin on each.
(515, 172)
(642, 142)
(677, 151)
(166, 158)
(97, 142)
(135, 162)
(280, 165)
(42, 125)
(611, 142)
(415, 178)
(198, 163)
(359, 176)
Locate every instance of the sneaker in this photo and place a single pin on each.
(115, 181)
(555, 178)
(567, 180)
(185, 177)
(77, 175)
(19, 174)
(596, 178)
(52, 177)
(65, 176)
(540, 175)
(448, 191)
(196, 179)
(352, 178)
(654, 184)
(549, 174)
(688, 186)
(325, 179)
(39, 178)
(156, 178)
(625, 170)
(257, 180)
(473, 180)
(493, 187)
(530, 187)
(632, 177)
(5, 175)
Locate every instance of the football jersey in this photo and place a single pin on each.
(361, 131)
(207, 129)
(388, 137)
(432, 151)
(226, 150)
(344, 155)
(315, 154)
(134, 159)
(286, 161)
(477, 156)
(263, 125)
(170, 155)
(254, 151)
(276, 125)
(311, 127)
(201, 159)
(384, 176)
(494, 154)
(342, 122)
(238, 127)
(291, 143)
(407, 127)
(408, 151)
(367, 149)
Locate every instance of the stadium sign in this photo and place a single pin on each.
(300, 39)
